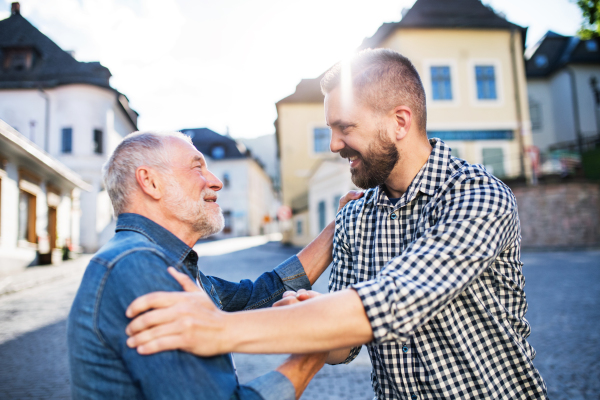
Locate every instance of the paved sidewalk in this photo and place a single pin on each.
(38, 275)
(562, 289)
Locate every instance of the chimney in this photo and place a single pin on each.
(15, 8)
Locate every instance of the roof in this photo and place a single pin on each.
(206, 141)
(445, 14)
(307, 91)
(51, 66)
(555, 51)
(18, 145)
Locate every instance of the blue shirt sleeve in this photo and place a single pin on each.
(169, 374)
(264, 291)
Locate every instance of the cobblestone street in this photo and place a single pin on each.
(564, 310)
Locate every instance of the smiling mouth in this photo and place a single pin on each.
(210, 200)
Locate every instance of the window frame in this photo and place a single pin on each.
(98, 141)
(62, 138)
(499, 80)
(452, 65)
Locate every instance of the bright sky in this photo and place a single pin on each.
(224, 64)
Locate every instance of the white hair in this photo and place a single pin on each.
(136, 149)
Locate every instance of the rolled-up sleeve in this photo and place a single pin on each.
(477, 220)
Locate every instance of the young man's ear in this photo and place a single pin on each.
(149, 182)
(402, 121)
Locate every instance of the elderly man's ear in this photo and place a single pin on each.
(150, 182)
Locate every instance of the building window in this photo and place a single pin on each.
(541, 61)
(226, 180)
(322, 137)
(98, 141)
(322, 216)
(441, 83)
(493, 160)
(27, 217)
(486, 82)
(18, 59)
(67, 140)
(299, 227)
(535, 113)
(336, 203)
(217, 152)
(228, 222)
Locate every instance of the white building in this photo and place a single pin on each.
(68, 109)
(247, 198)
(39, 203)
(326, 185)
(563, 82)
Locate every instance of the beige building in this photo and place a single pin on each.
(471, 63)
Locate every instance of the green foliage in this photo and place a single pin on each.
(590, 26)
(591, 164)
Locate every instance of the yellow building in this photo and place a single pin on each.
(471, 63)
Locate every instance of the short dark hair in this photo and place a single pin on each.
(383, 79)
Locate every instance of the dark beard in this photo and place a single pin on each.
(376, 167)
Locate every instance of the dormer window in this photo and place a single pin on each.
(541, 61)
(17, 59)
(591, 46)
(217, 152)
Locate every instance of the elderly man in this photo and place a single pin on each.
(427, 266)
(165, 199)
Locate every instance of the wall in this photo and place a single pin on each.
(559, 215)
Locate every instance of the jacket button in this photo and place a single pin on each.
(405, 349)
(393, 216)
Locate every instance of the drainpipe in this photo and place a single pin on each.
(47, 120)
(517, 101)
(576, 110)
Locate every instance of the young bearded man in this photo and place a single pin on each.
(165, 199)
(426, 268)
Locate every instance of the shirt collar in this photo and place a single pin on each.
(429, 178)
(170, 243)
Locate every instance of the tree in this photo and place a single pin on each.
(590, 26)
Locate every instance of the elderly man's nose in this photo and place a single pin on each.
(213, 182)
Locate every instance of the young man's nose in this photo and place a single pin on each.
(336, 144)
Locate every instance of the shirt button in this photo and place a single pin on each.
(405, 349)
(393, 216)
(414, 397)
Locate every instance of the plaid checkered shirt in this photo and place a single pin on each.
(440, 278)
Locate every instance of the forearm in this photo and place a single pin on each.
(317, 256)
(301, 368)
(333, 321)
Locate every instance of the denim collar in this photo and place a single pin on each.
(170, 243)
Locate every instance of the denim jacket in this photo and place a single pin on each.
(132, 264)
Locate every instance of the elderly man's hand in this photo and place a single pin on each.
(351, 195)
(177, 320)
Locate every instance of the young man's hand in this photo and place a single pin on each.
(186, 320)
